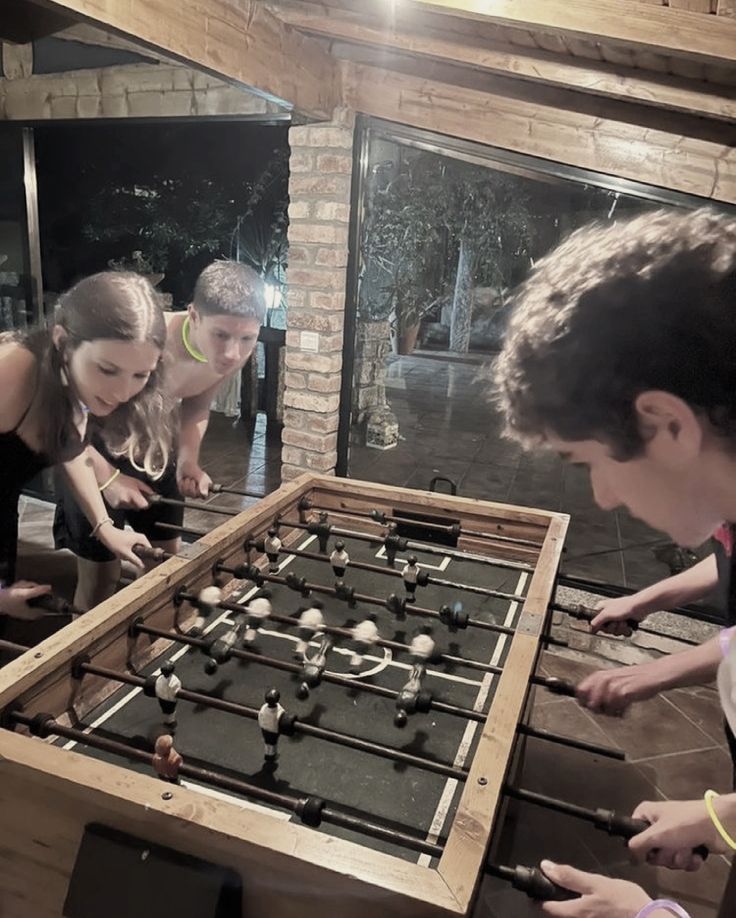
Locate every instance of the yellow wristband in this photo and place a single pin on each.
(710, 796)
(109, 480)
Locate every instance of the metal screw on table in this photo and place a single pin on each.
(167, 795)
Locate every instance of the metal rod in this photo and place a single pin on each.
(330, 736)
(288, 667)
(10, 647)
(419, 546)
(51, 727)
(324, 590)
(191, 505)
(392, 572)
(442, 707)
(221, 489)
(586, 614)
(380, 519)
(572, 743)
(710, 615)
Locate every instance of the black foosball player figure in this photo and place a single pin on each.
(166, 688)
(314, 667)
(166, 760)
(406, 701)
(269, 716)
(364, 634)
(208, 600)
(339, 559)
(310, 622)
(272, 546)
(422, 646)
(410, 575)
(257, 612)
(221, 649)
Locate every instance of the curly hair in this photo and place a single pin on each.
(230, 288)
(118, 305)
(614, 311)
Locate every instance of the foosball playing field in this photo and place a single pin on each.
(319, 700)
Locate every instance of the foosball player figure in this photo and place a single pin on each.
(166, 760)
(272, 546)
(407, 701)
(422, 646)
(364, 634)
(257, 611)
(269, 716)
(314, 667)
(339, 559)
(410, 575)
(166, 688)
(207, 602)
(310, 622)
(221, 649)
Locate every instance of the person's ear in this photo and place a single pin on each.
(59, 337)
(193, 314)
(670, 427)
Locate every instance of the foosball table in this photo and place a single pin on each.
(312, 709)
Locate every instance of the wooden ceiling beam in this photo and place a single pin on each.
(624, 22)
(593, 141)
(240, 42)
(600, 79)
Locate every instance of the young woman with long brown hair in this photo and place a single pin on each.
(101, 358)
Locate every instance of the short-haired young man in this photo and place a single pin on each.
(621, 356)
(205, 345)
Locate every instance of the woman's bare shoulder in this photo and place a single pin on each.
(17, 381)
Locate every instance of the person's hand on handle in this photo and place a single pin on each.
(192, 480)
(677, 828)
(600, 897)
(612, 691)
(14, 599)
(121, 542)
(613, 616)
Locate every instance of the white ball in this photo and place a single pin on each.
(210, 596)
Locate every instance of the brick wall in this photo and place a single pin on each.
(319, 213)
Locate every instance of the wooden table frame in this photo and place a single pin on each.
(48, 795)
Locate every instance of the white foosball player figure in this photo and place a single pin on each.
(208, 601)
(310, 622)
(364, 634)
(257, 612)
(166, 688)
(269, 716)
(272, 546)
(422, 645)
(339, 559)
(410, 575)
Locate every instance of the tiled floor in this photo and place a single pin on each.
(674, 743)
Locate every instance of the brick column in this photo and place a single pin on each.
(319, 212)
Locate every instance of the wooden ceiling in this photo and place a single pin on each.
(666, 56)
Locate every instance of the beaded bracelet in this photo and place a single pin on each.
(710, 796)
(109, 480)
(672, 907)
